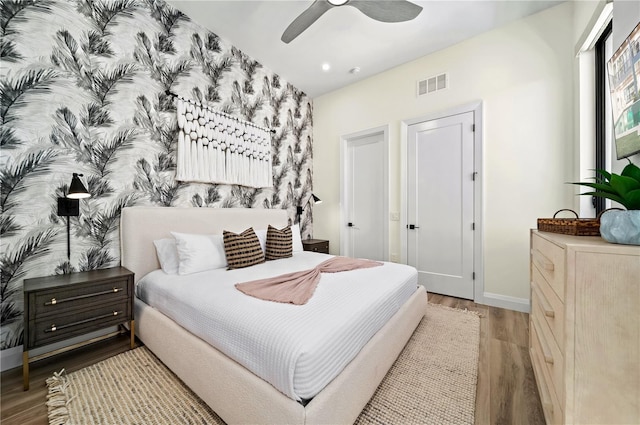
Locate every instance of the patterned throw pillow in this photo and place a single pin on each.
(242, 250)
(279, 243)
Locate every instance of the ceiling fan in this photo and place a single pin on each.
(380, 10)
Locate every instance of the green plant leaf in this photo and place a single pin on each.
(633, 200)
(623, 188)
(611, 196)
(623, 184)
(603, 174)
(601, 187)
(631, 170)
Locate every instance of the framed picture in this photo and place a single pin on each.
(624, 82)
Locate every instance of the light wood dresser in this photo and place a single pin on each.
(584, 329)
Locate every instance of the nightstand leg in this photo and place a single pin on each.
(25, 370)
(133, 334)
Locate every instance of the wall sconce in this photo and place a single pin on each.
(70, 205)
(300, 209)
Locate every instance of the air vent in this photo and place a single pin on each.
(433, 84)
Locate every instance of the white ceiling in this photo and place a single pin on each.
(344, 37)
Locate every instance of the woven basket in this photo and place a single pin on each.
(570, 226)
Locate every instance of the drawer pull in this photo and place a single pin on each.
(81, 322)
(546, 351)
(81, 297)
(544, 303)
(542, 261)
(545, 396)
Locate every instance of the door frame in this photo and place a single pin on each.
(344, 144)
(478, 206)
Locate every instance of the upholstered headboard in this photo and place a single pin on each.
(140, 226)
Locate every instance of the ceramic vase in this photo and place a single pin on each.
(621, 227)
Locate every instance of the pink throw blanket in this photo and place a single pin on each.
(298, 287)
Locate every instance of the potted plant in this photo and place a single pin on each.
(619, 226)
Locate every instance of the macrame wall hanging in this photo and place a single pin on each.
(214, 147)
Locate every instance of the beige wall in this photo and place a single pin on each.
(585, 15)
(523, 74)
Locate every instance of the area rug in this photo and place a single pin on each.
(433, 381)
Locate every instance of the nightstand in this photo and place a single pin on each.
(60, 307)
(316, 245)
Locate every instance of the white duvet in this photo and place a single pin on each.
(299, 349)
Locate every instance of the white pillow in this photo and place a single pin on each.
(167, 255)
(296, 238)
(198, 253)
(262, 237)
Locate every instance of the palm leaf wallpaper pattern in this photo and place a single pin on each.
(82, 89)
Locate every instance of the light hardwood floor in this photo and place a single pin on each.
(506, 392)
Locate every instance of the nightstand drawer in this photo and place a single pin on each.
(79, 322)
(316, 245)
(65, 299)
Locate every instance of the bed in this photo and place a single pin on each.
(235, 393)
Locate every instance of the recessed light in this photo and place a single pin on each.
(326, 67)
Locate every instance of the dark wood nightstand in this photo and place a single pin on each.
(316, 245)
(60, 307)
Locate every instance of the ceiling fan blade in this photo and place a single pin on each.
(387, 11)
(306, 18)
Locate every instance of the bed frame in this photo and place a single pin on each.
(233, 392)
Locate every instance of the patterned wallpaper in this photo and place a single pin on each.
(83, 90)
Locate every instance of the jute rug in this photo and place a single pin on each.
(433, 381)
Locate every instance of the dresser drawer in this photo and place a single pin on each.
(550, 404)
(69, 298)
(53, 329)
(550, 356)
(548, 258)
(550, 307)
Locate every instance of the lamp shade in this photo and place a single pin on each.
(316, 200)
(77, 190)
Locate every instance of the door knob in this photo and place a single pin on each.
(412, 226)
(349, 224)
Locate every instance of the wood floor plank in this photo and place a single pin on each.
(483, 389)
(514, 400)
(435, 298)
(36, 415)
(510, 326)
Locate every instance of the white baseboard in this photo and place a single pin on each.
(505, 301)
(10, 358)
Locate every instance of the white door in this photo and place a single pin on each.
(440, 203)
(364, 218)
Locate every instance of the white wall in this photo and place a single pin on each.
(523, 73)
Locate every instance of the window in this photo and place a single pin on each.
(603, 51)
